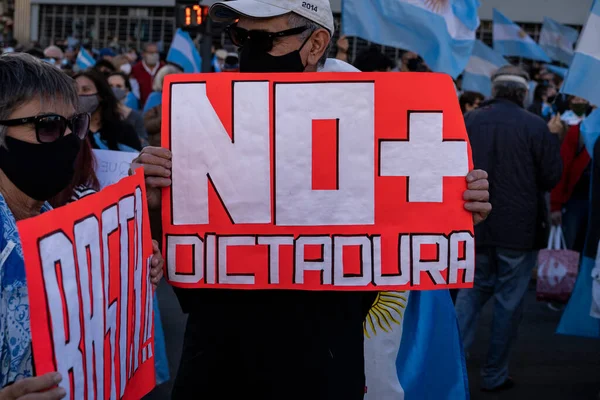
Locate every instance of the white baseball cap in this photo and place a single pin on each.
(318, 11)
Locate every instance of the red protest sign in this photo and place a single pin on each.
(90, 296)
(347, 181)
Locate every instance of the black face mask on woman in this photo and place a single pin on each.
(254, 60)
(41, 171)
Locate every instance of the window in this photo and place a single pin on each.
(104, 26)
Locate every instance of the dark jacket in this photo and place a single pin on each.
(523, 160)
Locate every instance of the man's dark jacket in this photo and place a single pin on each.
(523, 160)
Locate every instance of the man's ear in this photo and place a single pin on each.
(317, 45)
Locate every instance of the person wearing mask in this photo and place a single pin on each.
(108, 131)
(40, 136)
(145, 70)
(153, 110)
(543, 97)
(522, 158)
(578, 108)
(122, 89)
(318, 350)
(470, 101)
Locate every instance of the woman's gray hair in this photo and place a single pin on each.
(24, 77)
(297, 21)
(159, 78)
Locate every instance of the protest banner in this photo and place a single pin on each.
(90, 296)
(112, 166)
(323, 181)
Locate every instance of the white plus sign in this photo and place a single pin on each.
(425, 158)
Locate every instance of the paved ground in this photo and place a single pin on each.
(545, 366)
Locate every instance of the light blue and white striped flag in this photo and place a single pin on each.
(413, 348)
(84, 59)
(583, 79)
(512, 41)
(483, 63)
(558, 40)
(183, 52)
(441, 32)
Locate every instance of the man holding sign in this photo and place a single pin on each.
(297, 344)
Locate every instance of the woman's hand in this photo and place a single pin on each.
(36, 388)
(157, 264)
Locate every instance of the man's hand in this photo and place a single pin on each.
(157, 264)
(37, 388)
(477, 196)
(157, 168)
(556, 217)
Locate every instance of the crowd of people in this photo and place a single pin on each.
(527, 150)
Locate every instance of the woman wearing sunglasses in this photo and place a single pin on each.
(108, 130)
(40, 137)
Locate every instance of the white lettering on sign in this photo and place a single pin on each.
(197, 255)
(297, 106)
(425, 157)
(453, 253)
(237, 166)
(83, 290)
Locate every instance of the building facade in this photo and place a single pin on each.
(132, 22)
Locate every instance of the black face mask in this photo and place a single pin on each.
(252, 60)
(551, 99)
(41, 171)
(579, 109)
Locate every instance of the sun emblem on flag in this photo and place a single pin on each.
(437, 6)
(387, 310)
(522, 34)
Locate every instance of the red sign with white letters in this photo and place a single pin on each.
(323, 181)
(90, 296)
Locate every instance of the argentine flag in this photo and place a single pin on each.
(413, 350)
(84, 60)
(440, 31)
(558, 40)
(183, 52)
(483, 63)
(583, 79)
(511, 40)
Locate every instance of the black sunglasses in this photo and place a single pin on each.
(261, 40)
(51, 127)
